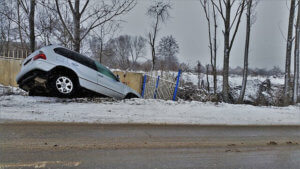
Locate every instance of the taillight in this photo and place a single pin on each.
(40, 56)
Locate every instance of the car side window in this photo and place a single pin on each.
(76, 57)
(102, 69)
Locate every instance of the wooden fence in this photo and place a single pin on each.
(9, 68)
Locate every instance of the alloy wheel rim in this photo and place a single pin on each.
(64, 85)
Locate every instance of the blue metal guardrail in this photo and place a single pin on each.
(144, 86)
(177, 84)
(155, 92)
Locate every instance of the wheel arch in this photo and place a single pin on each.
(131, 96)
(63, 69)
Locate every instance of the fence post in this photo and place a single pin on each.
(155, 91)
(177, 84)
(144, 86)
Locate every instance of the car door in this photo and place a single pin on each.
(82, 65)
(107, 79)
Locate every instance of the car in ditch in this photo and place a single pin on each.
(57, 71)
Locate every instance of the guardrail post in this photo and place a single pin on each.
(177, 84)
(155, 91)
(144, 86)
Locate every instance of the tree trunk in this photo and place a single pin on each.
(226, 88)
(296, 59)
(246, 54)
(207, 80)
(101, 51)
(152, 42)
(31, 25)
(288, 54)
(153, 58)
(199, 73)
(76, 28)
(215, 51)
(19, 26)
(212, 40)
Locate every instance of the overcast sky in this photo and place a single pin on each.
(188, 25)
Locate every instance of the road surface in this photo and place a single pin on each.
(62, 145)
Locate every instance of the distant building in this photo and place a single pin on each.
(14, 50)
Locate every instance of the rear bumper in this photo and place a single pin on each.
(29, 80)
(40, 65)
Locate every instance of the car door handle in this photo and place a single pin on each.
(100, 75)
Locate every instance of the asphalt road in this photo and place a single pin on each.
(61, 145)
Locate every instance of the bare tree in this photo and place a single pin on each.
(287, 75)
(6, 26)
(137, 49)
(29, 10)
(126, 50)
(249, 23)
(21, 21)
(90, 15)
(168, 48)
(207, 7)
(99, 38)
(296, 58)
(198, 71)
(224, 8)
(46, 25)
(207, 79)
(31, 25)
(160, 13)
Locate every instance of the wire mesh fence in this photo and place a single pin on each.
(162, 86)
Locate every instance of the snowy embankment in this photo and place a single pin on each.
(235, 82)
(17, 107)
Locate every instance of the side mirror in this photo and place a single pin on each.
(118, 78)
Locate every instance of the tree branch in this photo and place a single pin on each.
(237, 25)
(62, 20)
(84, 7)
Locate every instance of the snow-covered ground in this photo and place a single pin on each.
(235, 81)
(18, 107)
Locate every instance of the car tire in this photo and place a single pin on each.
(63, 85)
(131, 96)
(31, 93)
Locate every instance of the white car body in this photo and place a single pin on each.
(89, 77)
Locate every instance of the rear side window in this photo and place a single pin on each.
(102, 69)
(76, 57)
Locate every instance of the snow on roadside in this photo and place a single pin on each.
(9, 90)
(16, 107)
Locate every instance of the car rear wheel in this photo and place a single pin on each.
(63, 85)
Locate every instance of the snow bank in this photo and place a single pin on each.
(16, 107)
(9, 90)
